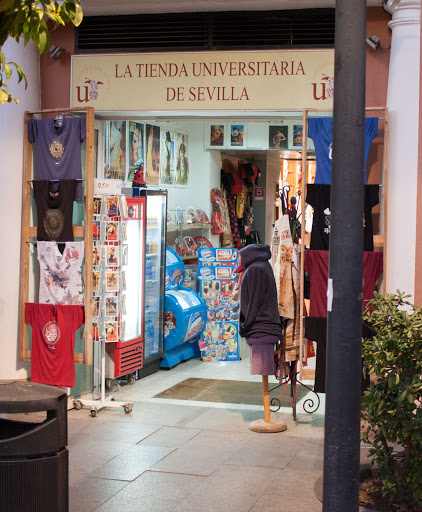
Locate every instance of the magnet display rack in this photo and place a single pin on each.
(28, 232)
(298, 373)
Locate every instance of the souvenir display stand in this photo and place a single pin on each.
(110, 257)
(29, 232)
(103, 402)
(297, 370)
(379, 240)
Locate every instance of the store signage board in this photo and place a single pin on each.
(102, 187)
(276, 80)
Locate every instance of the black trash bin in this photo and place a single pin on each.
(34, 462)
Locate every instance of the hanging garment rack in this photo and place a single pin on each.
(28, 231)
(379, 240)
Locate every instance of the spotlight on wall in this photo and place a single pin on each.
(390, 5)
(373, 42)
(56, 52)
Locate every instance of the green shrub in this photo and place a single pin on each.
(392, 404)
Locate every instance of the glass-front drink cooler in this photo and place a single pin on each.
(145, 279)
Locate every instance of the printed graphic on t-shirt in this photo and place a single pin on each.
(60, 274)
(327, 221)
(53, 223)
(56, 149)
(51, 334)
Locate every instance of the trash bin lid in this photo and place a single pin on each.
(16, 397)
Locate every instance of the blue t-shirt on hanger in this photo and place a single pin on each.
(320, 130)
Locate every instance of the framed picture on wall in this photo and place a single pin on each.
(152, 156)
(182, 160)
(167, 160)
(238, 135)
(215, 135)
(278, 137)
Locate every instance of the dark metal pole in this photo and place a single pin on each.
(343, 382)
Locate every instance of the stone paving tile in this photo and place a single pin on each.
(227, 419)
(310, 456)
(147, 414)
(229, 490)
(132, 462)
(153, 492)
(172, 437)
(268, 450)
(103, 430)
(85, 455)
(202, 454)
(89, 494)
(271, 503)
(286, 484)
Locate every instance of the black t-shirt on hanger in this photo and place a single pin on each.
(54, 202)
(318, 196)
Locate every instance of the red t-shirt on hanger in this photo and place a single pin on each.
(53, 342)
(316, 266)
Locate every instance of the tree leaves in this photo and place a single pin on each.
(394, 355)
(27, 19)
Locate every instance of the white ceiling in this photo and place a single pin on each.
(107, 7)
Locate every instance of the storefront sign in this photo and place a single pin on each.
(277, 80)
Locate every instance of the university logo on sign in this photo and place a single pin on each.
(91, 84)
(325, 89)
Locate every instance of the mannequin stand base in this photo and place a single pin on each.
(262, 426)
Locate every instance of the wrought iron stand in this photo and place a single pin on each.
(310, 405)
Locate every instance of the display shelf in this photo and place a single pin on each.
(179, 227)
(184, 258)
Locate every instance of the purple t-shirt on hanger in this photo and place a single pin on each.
(58, 149)
(320, 130)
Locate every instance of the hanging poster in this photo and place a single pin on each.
(297, 135)
(152, 159)
(214, 137)
(136, 148)
(237, 135)
(277, 137)
(167, 160)
(117, 150)
(182, 165)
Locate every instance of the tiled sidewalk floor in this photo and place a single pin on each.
(166, 457)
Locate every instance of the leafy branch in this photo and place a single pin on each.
(32, 21)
